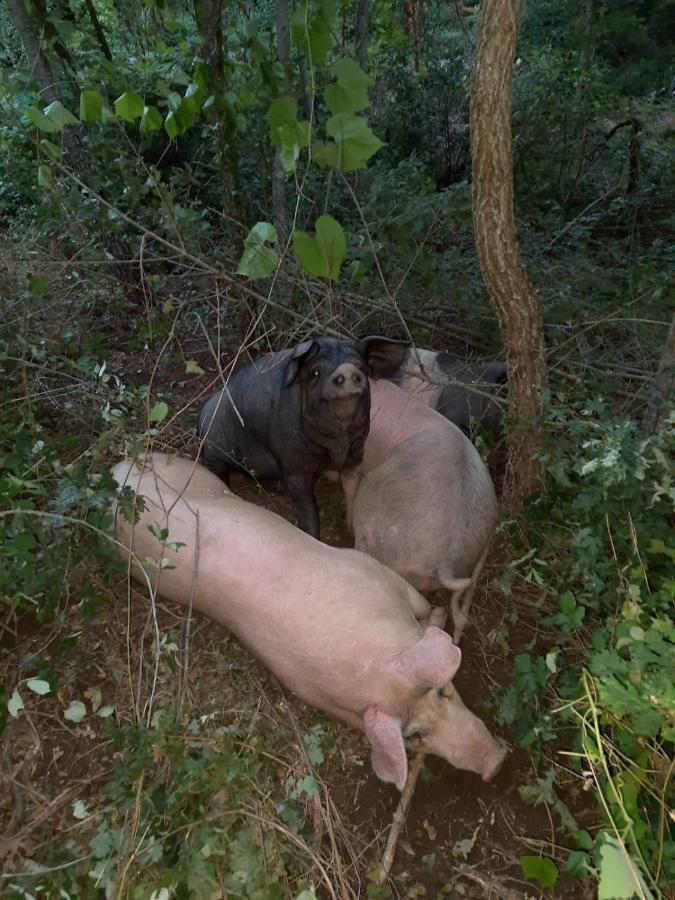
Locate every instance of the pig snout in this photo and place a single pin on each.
(494, 760)
(346, 381)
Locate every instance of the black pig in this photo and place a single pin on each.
(291, 415)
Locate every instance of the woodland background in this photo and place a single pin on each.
(182, 185)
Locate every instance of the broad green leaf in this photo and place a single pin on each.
(350, 93)
(40, 120)
(619, 877)
(129, 106)
(44, 176)
(76, 711)
(105, 711)
(171, 125)
(59, 115)
(322, 255)
(354, 143)
(151, 120)
(286, 132)
(310, 27)
(15, 703)
(38, 686)
(192, 367)
(541, 869)
(257, 260)
(159, 412)
(91, 106)
(50, 149)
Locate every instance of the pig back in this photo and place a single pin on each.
(431, 502)
(325, 621)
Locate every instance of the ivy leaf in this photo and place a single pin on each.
(350, 93)
(192, 367)
(619, 878)
(59, 115)
(76, 711)
(151, 120)
(129, 106)
(286, 132)
(91, 106)
(171, 125)
(541, 869)
(257, 260)
(322, 255)
(38, 686)
(80, 810)
(40, 120)
(159, 412)
(15, 703)
(354, 143)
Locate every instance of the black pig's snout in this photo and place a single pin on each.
(346, 381)
(356, 377)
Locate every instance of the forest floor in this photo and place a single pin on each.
(462, 837)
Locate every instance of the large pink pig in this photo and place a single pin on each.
(335, 626)
(422, 501)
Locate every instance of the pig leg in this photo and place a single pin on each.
(461, 599)
(300, 489)
(350, 480)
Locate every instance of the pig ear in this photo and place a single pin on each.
(495, 373)
(383, 356)
(431, 662)
(300, 355)
(389, 759)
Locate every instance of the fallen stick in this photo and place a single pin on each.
(400, 815)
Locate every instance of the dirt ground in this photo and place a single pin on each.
(462, 837)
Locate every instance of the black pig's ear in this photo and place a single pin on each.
(299, 357)
(383, 356)
(495, 373)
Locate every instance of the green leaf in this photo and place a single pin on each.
(350, 93)
(541, 869)
(192, 367)
(171, 125)
(257, 260)
(91, 106)
(322, 255)
(619, 877)
(354, 143)
(59, 115)
(76, 711)
(15, 703)
(51, 149)
(105, 711)
(286, 132)
(310, 27)
(38, 686)
(129, 106)
(44, 176)
(80, 810)
(159, 412)
(40, 120)
(151, 120)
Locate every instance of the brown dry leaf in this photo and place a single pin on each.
(430, 830)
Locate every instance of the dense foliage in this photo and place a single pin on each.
(167, 198)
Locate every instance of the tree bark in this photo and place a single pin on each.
(100, 34)
(515, 299)
(362, 33)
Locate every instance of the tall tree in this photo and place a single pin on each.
(76, 154)
(362, 33)
(278, 174)
(511, 291)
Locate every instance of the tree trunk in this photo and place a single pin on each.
(513, 295)
(76, 152)
(362, 33)
(278, 174)
(665, 383)
(100, 34)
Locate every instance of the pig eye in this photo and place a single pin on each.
(315, 372)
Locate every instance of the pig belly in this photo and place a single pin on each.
(430, 504)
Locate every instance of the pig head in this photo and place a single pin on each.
(289, 415)
(434, 715)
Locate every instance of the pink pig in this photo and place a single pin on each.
(422, 501)
(335, 626)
